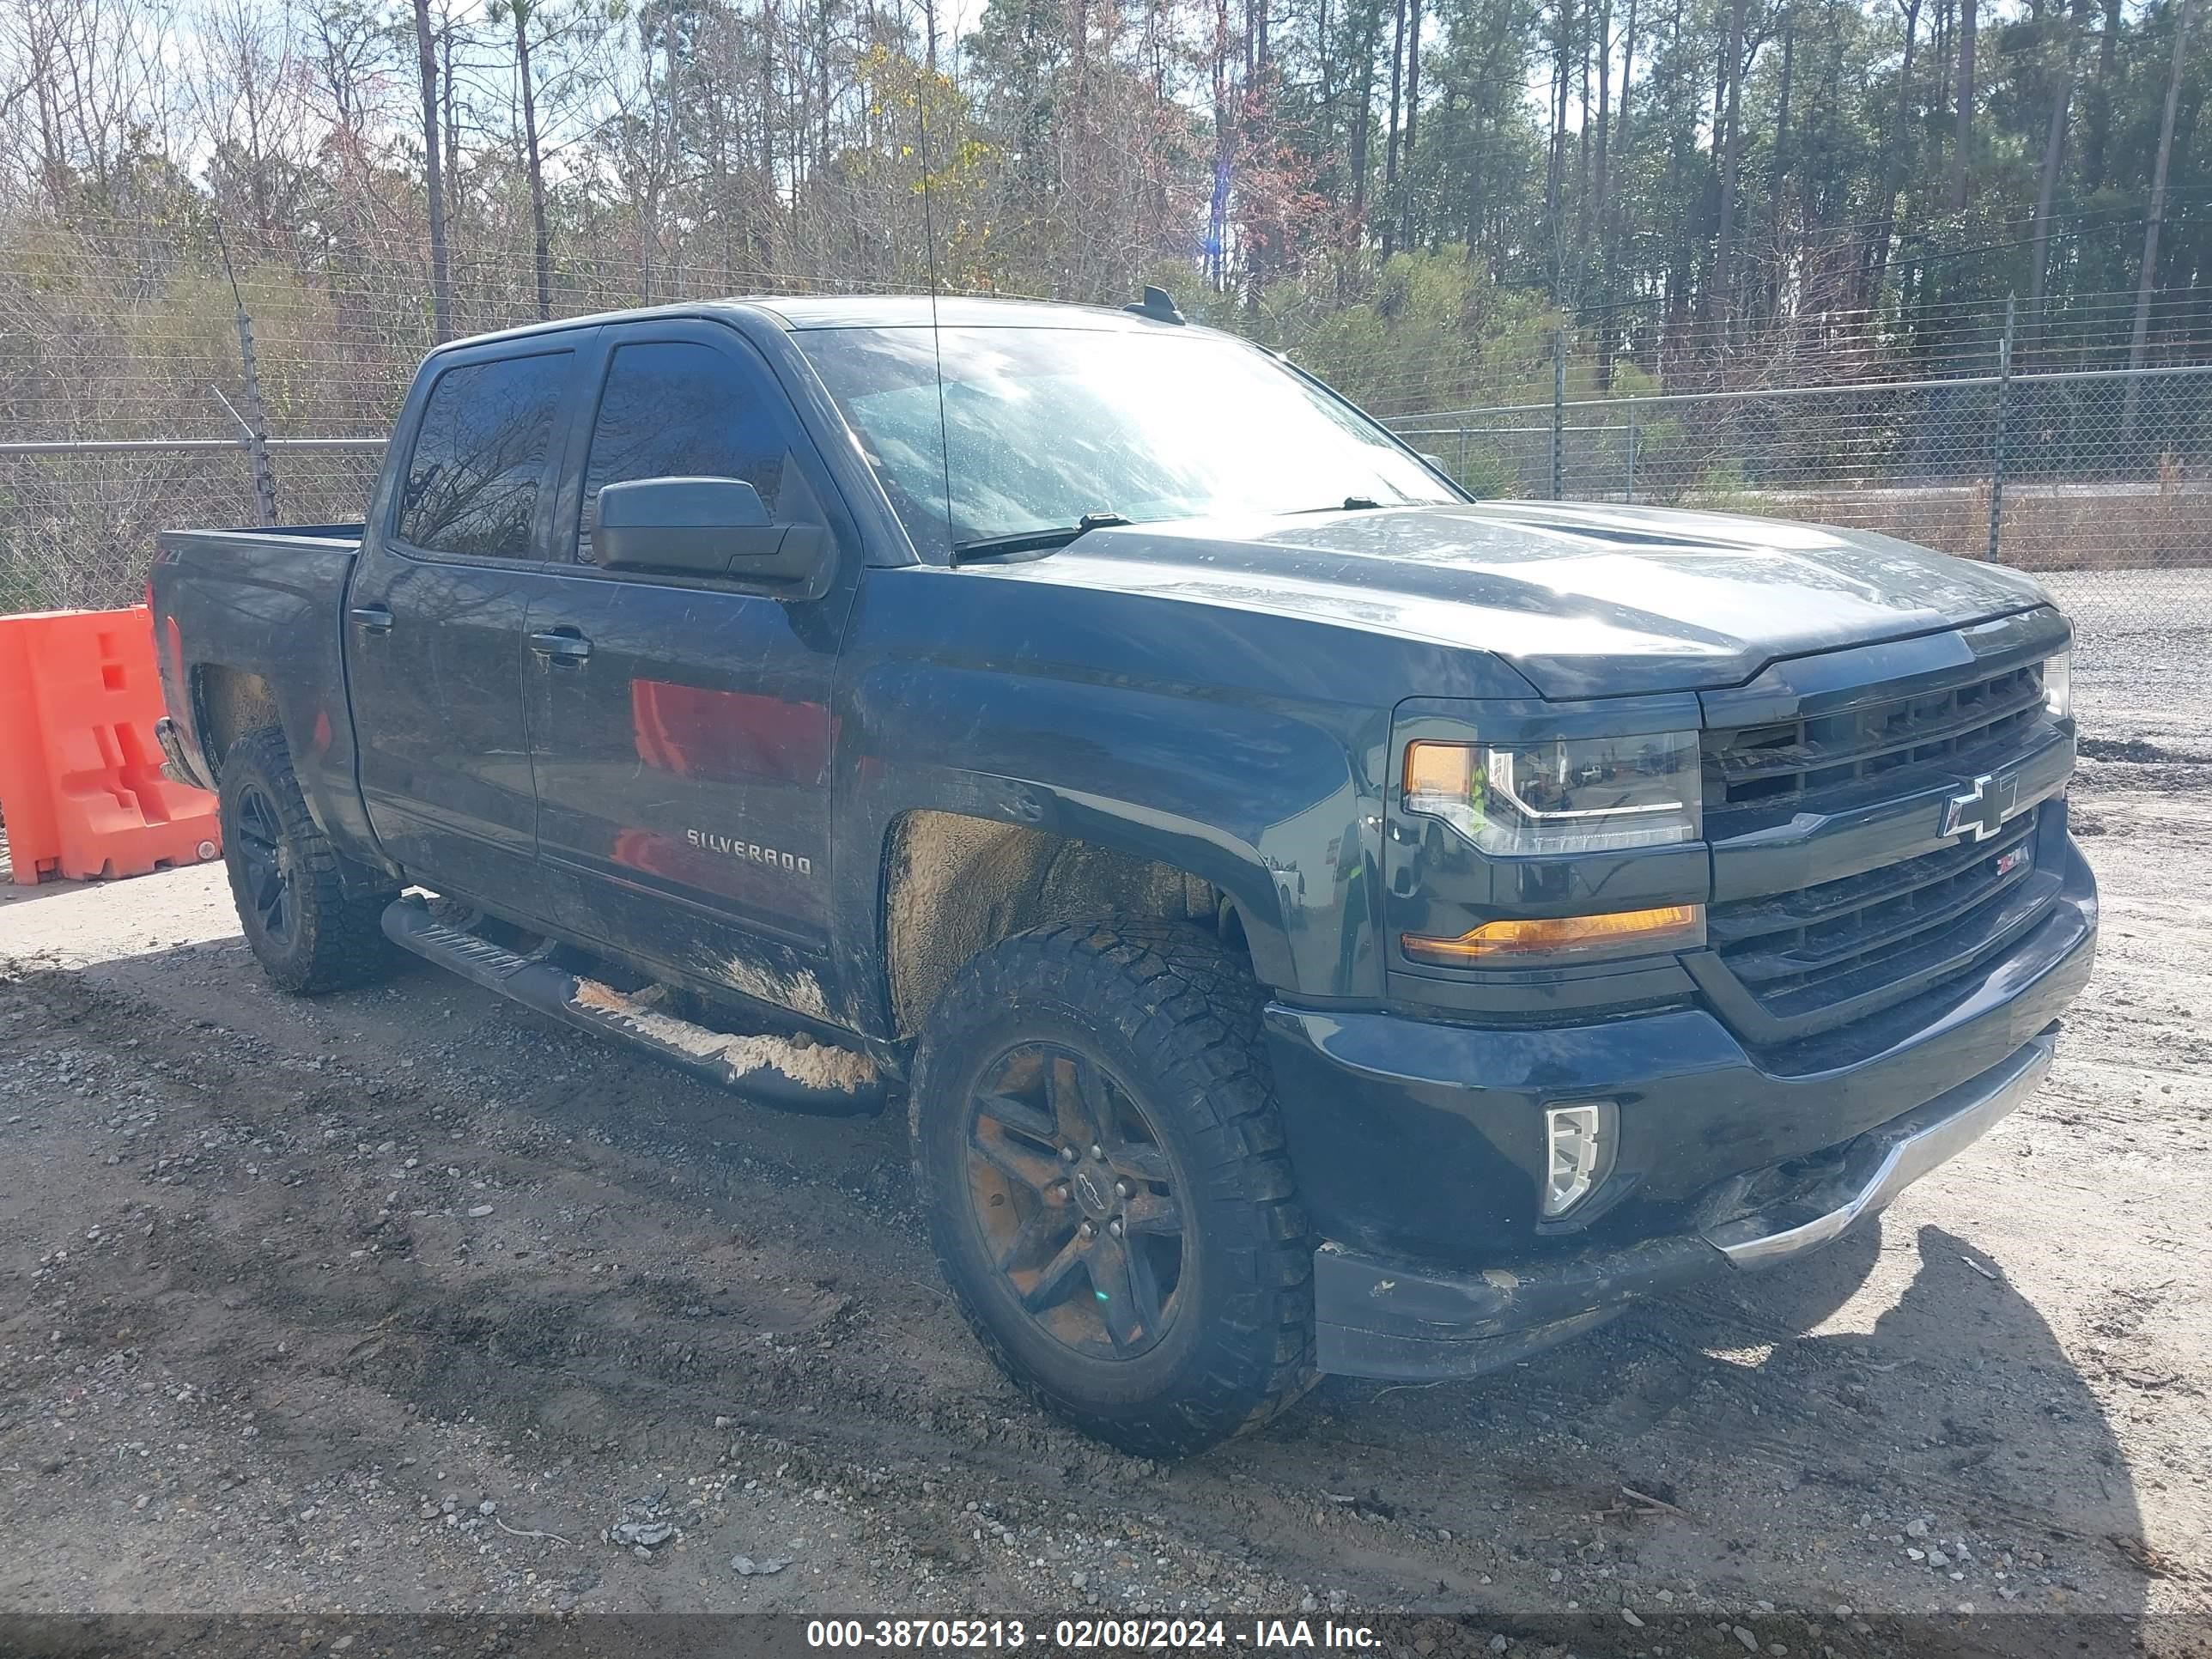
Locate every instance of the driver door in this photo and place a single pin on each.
(680, 730)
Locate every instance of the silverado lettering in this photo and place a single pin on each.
(750, 850)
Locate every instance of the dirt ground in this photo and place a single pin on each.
(407, 1299)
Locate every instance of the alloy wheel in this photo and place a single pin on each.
(1076, 1199)
(265, 861)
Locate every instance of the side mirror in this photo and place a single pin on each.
(703, 527)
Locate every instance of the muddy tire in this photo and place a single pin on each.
(308, 935)
(1097, 1141)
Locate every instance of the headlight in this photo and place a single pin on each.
(1563, 795)
(2058, 686)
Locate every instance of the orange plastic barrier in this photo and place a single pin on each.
(81, 781)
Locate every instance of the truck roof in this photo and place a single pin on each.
(801, 313)
(952, 311)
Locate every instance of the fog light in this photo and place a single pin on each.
(1578, 1141)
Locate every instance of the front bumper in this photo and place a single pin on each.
(1380, 1318)
(1417, 1148)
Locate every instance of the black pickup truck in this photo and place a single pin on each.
(1318, 922)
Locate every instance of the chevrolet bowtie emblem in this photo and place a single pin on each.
(1983, 808)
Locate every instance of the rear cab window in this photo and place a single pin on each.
(480, 457)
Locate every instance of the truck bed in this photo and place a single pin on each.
(317, 537)
(270, 605)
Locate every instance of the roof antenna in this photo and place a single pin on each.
(1159, 305)
(929, 249)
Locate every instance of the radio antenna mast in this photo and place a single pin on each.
(929, 249)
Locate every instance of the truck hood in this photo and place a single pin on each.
(1582, 600)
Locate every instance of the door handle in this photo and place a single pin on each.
(561, 645)
(371, 618)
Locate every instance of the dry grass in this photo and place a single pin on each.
(2046, 526)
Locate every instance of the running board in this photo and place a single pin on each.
(796, 1074)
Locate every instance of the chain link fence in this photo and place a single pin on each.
(2070, 470)
(2063, 444)
(78, 520)
(147, 368)
(2095, 470)
(138, 373)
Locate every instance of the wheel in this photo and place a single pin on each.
(1096, 1144)
(308, 935)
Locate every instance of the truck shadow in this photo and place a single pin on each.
(1867, 1416)
(1873, 1419)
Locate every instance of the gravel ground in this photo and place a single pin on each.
(2142, 651)
(406, 1299)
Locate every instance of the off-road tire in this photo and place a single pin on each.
(332, 939)
(1175, 1018)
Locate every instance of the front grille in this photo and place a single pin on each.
(1801, 953)
(1818, 956)
(1763, 771)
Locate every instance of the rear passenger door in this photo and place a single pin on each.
(680, 726)
(435, 650)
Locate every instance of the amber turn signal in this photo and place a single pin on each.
(1666, 927)
(1440, 771)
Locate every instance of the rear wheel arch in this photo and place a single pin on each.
(309, 928)
(228, 703)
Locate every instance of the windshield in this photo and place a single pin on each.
(1044, 425)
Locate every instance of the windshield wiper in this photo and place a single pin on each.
(1349, 504)
(1033, 541)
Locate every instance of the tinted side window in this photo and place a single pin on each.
(676, 410)
(479, 456)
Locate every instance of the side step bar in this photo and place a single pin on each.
(793, 1073)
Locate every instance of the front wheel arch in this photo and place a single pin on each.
(956, 883)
